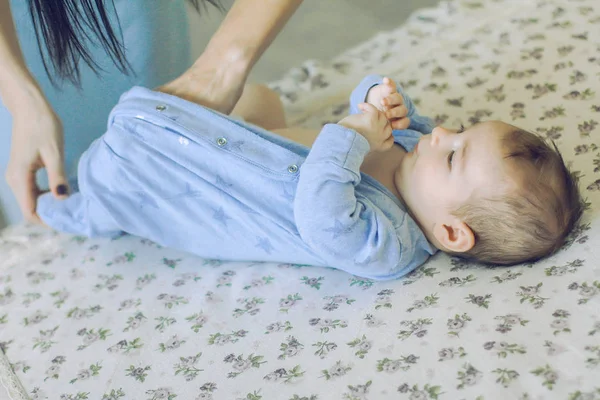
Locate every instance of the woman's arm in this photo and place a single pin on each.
(16, 83)
(37, 138)
(249, 28)
(217, 78)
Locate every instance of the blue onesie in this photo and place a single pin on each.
(191, 178)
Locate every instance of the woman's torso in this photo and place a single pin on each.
(157, 41)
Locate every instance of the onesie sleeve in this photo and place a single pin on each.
(340, 227)
(418, 122)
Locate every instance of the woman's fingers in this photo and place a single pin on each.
(53, 161)
(31, 193)
(23, 184)
(37, 142)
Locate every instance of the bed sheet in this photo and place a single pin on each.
(127, 319)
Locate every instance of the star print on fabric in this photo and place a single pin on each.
(236, 145)
(145, 200)
(367, 261)
(133, 131)
(222, 184)
(245, 207)
(191, 193)
(344, 207)
(186, 194)
(287, 193)
(220, 216)
(339, 229)
(265, 244)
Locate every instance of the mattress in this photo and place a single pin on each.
(126, 319)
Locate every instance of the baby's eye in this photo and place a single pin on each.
(450, 157)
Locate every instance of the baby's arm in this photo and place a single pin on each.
(341, 227)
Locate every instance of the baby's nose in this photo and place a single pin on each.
(437, 133)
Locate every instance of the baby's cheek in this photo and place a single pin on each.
(430, 182)
(427, 174)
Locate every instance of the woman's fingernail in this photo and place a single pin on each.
(62, 190)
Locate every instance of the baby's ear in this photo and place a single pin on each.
(456, 237)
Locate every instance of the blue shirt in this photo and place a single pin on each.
(191, 178)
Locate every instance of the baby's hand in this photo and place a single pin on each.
(373, 125)
(387, 99)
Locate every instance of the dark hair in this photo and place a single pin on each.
(533, 222)
(65, 25)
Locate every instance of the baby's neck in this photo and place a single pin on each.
(382, 167)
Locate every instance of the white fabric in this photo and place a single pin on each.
(203, 329)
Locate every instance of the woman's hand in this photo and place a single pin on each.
(37, 135)
(212, 83)
(387, 99)
(37, 142)
(217, 78)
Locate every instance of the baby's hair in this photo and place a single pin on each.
(533, 221)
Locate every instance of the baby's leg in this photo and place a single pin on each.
(260, 106)
(301, 135)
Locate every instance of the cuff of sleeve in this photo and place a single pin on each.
(340, 145)
(359, 94)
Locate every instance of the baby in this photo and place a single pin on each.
(375, 195)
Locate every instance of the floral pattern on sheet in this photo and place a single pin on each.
(127, 319)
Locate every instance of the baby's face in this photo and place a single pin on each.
(447, 167)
